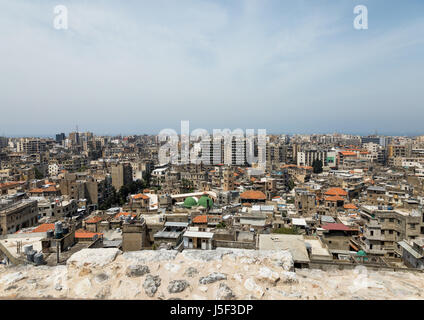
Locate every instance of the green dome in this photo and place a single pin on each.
(361, 253)
(205, 202)
(189, 202)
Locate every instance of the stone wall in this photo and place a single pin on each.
(200, 274)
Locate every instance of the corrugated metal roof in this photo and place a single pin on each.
(328, 219)
(198, 234)
(176, 224)
(411, 250)
(299, 222)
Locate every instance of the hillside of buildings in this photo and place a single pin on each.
(195, 274)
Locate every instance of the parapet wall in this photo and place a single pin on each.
(200, 274)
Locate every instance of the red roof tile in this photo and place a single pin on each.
(336, 227)
(44, 227)
(336, 192)
(253, 195)
(94, 219)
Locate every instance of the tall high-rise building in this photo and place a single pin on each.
(60, 137)
(3, 142)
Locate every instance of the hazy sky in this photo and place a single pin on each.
(141, 66)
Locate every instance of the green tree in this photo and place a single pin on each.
(221, 225)
(38, 174)
(317, 166)
(290, 184)
(187, 185)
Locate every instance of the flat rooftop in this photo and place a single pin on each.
(11, 242)
(293, 243)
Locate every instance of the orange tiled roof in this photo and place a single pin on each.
(253, 195)
(348, 153)
(41, 190)
(350, 206)
(336, 192)
(44, 227)
(334, 198)
(95, 219)
(140, 196)
(125, 214)
(200, 219)
(247, 204)
(305, 167)
(9, 184)
(84, 234)
(146, 191)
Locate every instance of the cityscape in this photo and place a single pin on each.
(320, 203)
(183, 152)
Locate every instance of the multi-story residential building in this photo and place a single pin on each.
(385, 227)
(307, 157)
(31, 145)
(56, 208)
(121, 175)
(16, 215)
(80, 186)
(305, 202)
(397, 151)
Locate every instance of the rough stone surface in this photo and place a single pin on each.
(213, 277)
(151, 285)
(94, 257)
(102, 274)
(137, 270)
(191, 272)
(267, 275)
(224, 292)
(176, 286)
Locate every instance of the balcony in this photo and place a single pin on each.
(391, 226)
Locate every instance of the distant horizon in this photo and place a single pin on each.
(53, 136)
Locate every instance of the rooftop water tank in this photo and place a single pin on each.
(58, 227)
(50, 233)
(38, 258)
(30, 255)
(27, 248)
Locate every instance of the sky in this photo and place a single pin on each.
(136, 66)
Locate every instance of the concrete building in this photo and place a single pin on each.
(385, 227)
(18, 215)
(134, 237)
